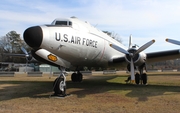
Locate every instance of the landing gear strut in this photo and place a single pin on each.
(59, 85)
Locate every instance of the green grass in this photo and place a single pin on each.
(97, 93)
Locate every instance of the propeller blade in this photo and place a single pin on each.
(130, 41)
(173, 41)
(132, 70)
(24, 50)
(119, 49)
(145, 46)
(26, 66)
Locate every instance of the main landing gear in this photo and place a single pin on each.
(140, 78)
(77, 77)
(59, 85)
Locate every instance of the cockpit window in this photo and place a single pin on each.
(70, 23)
(61, 23)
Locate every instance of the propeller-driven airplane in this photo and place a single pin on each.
(70, 42)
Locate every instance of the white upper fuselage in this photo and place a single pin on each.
(79, 43)
(71, 42)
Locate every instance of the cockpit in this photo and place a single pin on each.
(62, 22)
(72, 22)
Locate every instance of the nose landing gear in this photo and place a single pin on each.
(59, 85)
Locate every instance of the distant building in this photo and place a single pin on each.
(48, 68)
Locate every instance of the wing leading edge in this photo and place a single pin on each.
(163, 55)
(155, 56)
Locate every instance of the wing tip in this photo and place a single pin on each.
(166, 39)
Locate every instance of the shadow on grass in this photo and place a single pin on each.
(142, 92)
(18, 89)
(95, 85)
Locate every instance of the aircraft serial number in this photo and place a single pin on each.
(75, 40)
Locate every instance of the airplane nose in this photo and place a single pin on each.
(33, 36)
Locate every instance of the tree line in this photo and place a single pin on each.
(168, 64)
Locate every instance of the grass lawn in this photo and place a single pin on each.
(97, 93)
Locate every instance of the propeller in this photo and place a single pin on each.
(131, 53)
(145, 46)
(27, 55)
(25, 52)
(173, 41)
(130, 41)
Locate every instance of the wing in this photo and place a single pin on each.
(155, 56)
(119, 60)
(163, 55)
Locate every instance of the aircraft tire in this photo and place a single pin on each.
(73, 77)
(79, 77)
(57, 85)
(144, 78)
(137, 77)
(76, 77)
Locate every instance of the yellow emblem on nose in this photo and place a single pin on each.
(52, 57)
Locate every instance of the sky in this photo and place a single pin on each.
(144, 19)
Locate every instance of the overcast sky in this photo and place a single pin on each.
(144, 19)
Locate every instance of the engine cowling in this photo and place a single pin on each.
(49, 58)
(138, 59)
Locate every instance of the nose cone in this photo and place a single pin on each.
(33, 36)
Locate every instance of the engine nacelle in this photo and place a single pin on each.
(50, 58)
(138, 59)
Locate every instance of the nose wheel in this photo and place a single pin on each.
(59, 85)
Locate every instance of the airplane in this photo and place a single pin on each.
(70, 42)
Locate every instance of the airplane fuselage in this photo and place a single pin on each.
(78, 47)
(72, 42)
